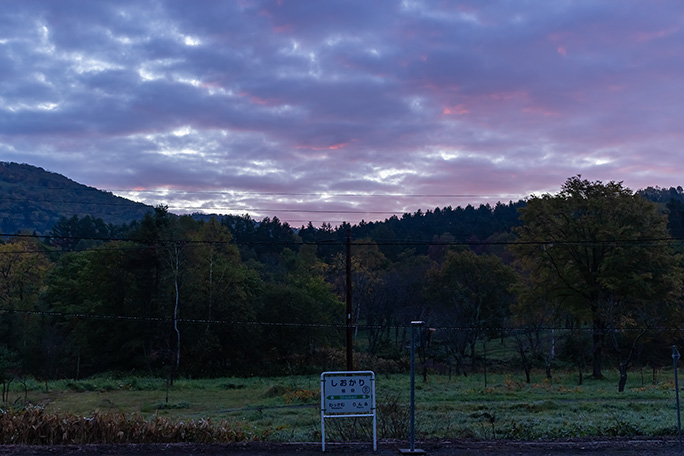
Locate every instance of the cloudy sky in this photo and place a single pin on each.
(328, 110)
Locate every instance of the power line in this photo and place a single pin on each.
(297, 211)
(230, 209)
(79, 202)
(549, 243)
(204, 321)
(299, 244)
(236, 196)
(317, 194)
(322, 194)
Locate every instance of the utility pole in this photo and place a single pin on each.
(350, 339)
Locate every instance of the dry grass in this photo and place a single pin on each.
(33, 426)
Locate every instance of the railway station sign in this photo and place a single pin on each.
(348, 394)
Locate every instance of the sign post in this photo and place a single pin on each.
(348, 394)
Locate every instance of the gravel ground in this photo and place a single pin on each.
(622, 447)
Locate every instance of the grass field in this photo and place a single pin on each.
(287, 408)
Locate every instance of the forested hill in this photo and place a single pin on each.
(33, 199)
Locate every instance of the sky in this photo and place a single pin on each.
(332, 111)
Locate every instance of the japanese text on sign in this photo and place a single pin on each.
(347, 392)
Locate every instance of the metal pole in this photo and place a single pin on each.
(323, 412)
(414, 325)
(350, 339)
(675, 358)
(412, 449)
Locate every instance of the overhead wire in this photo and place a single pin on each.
(205, 321)
(261, 210)
(317, 194)
(549, 243)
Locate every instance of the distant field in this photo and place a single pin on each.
(287, 408)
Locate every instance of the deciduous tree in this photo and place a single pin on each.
(602, 252)
(472, 292)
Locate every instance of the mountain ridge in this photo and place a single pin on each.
(34, 199)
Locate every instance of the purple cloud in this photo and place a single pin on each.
(315, 110)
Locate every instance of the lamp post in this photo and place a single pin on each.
(415, 325)
(675, 359)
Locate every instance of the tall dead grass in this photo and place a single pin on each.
(32, 426)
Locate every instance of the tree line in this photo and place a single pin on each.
(590, 276)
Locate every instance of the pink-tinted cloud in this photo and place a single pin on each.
(239, 106)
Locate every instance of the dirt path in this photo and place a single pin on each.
(621, 447)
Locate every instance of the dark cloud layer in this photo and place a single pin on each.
(270, 107)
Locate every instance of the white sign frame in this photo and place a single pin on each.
(348, 394)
